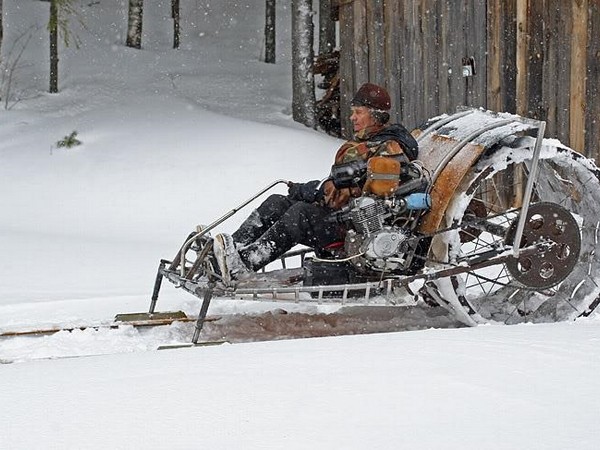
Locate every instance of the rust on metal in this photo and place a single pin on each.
(432, 152)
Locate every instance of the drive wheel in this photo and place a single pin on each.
(560, 284)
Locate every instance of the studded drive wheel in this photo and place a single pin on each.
(559, 283)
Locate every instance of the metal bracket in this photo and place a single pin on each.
(529, 188)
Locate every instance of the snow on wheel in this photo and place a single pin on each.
(561, 283)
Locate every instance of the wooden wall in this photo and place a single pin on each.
(538, 58)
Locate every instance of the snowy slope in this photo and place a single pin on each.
(176, 138)
(145, 174)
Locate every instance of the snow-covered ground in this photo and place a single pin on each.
(173, 138)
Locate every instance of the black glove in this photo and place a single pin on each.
(305, 192)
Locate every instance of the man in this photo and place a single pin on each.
(281, 222)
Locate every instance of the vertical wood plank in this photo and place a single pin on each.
(361, 43)
(509, 56)
(550, 67)
(421, 52)
(422, 49)
(479, 51)
(394, 48)
(475, 32)
(468, 26)
(564, 25)
(592, 137)
(495, 55)
(535, 64)
(578, 69)
(375, 27)
(406, 55)
(347, 64)
(409, 61)
(522, 56)
(435, 104)
(444, 64)
(426, 69)
(456, 51)
(416, 69)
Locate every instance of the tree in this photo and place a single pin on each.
(326, 27)
(60, 12)
(303, 82)
(270, 31)
(134, 23)
(1, 29)
(53, 28)
(176, 16)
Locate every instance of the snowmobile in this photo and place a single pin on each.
(498, 224)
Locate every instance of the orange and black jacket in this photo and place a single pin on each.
(381, 141)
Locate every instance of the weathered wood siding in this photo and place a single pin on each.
(592, 107)
(539, 58)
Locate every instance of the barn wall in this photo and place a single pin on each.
(539, 58)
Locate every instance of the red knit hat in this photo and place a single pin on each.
(372, 96)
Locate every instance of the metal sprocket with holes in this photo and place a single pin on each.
(557, 234)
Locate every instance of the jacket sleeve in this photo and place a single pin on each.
(306, 192)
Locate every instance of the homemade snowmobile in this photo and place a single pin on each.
(510, 235)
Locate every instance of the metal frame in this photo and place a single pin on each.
(185, 247)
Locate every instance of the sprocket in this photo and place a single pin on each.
(557, 233)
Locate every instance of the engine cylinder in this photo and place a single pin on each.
(367, 215)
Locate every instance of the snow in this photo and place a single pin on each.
(174, 138)
(487, 387)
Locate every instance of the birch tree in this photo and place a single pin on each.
(303, 82)
(134, 23)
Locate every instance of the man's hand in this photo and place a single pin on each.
(306, 192)
(292, 189)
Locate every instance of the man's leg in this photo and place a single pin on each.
(303, 223)
(262, 218)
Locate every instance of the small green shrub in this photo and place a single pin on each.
(69, 141)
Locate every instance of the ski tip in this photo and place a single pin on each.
(190, 344)
(167, 315)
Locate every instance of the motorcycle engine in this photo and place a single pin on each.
(381, 246)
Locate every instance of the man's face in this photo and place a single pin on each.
(361, 118)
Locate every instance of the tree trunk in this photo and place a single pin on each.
(175, 13)
(53, 27)
(270, 31)
(326, 28)
(1, 29)
(303, 82)
(134, 24)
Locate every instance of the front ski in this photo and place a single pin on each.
(136, 320)
(191, 344)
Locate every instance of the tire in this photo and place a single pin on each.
(565, 178)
